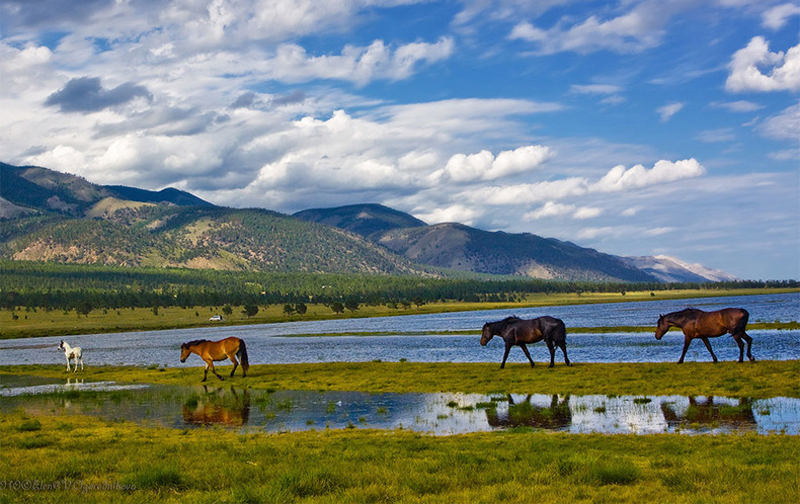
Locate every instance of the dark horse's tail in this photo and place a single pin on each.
(741, 325)
(242, 354)
(559, 332)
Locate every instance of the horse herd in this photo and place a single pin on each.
(513, 330)
(694, 323)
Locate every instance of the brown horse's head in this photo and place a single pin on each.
(662, 327)
(185, 352)
(486, 334)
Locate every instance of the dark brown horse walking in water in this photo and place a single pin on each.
(700, 324)
(516, 331)
(211, 351)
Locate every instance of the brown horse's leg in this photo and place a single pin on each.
(505, 354)
(563, 347)
(708, 345)
(527, 353)
(552, 347)
(232, 357)
(210, 365)
(740, 344)
(686, 341)
(749, 341)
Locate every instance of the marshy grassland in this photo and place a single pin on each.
(57, 458)
(761, 379)
(50, 457)
(83, 459)
(33, 322)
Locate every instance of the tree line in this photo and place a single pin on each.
(73, 286)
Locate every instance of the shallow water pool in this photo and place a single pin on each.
(250, 410)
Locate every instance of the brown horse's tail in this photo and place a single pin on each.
(742, 324)
(242, 354)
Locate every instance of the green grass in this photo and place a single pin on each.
(761, 379)
(120, 462)
(88, 460)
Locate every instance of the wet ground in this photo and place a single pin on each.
(251, 410)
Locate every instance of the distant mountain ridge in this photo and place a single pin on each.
(52, 216)
(670, 269)
(367, 220)
(45, 189)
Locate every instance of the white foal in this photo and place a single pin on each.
(72, 353)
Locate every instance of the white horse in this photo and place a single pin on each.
(72, 353)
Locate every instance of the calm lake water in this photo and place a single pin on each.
(277, 343)
(442, 414)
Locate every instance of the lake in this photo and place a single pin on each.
(278, 343)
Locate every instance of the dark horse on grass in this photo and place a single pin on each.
(700, 324)
(516, 331)
(210, 351)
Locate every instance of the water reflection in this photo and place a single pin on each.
(555, 416)
(708, 413)
(443, 413)
(229, 408)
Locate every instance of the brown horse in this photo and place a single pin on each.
(211, 351)
(700, 324)
(516, 331)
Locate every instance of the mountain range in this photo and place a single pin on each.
(46, 215)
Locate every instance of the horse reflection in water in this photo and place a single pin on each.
(709, 414)
(557, 416)
(218, 408)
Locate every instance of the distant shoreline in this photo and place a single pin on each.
(38, 322)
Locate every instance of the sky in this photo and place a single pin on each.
(635, 127)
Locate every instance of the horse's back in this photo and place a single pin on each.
(719, 322)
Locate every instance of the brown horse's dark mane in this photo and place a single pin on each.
(681, 314)
(193, 343)
(501, 325)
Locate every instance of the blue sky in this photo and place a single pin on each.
(636, 127)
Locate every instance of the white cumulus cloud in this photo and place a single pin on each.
(783, 70)
(485, 166)
(620, 178)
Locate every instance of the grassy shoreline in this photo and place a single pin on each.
(755, 380)
(75, 458)
(37, 322)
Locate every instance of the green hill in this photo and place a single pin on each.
(68, 219)
(368, 220)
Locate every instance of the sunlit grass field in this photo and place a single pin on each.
(761, 379)
(82, 459)
(32, 322)
(52, 458)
